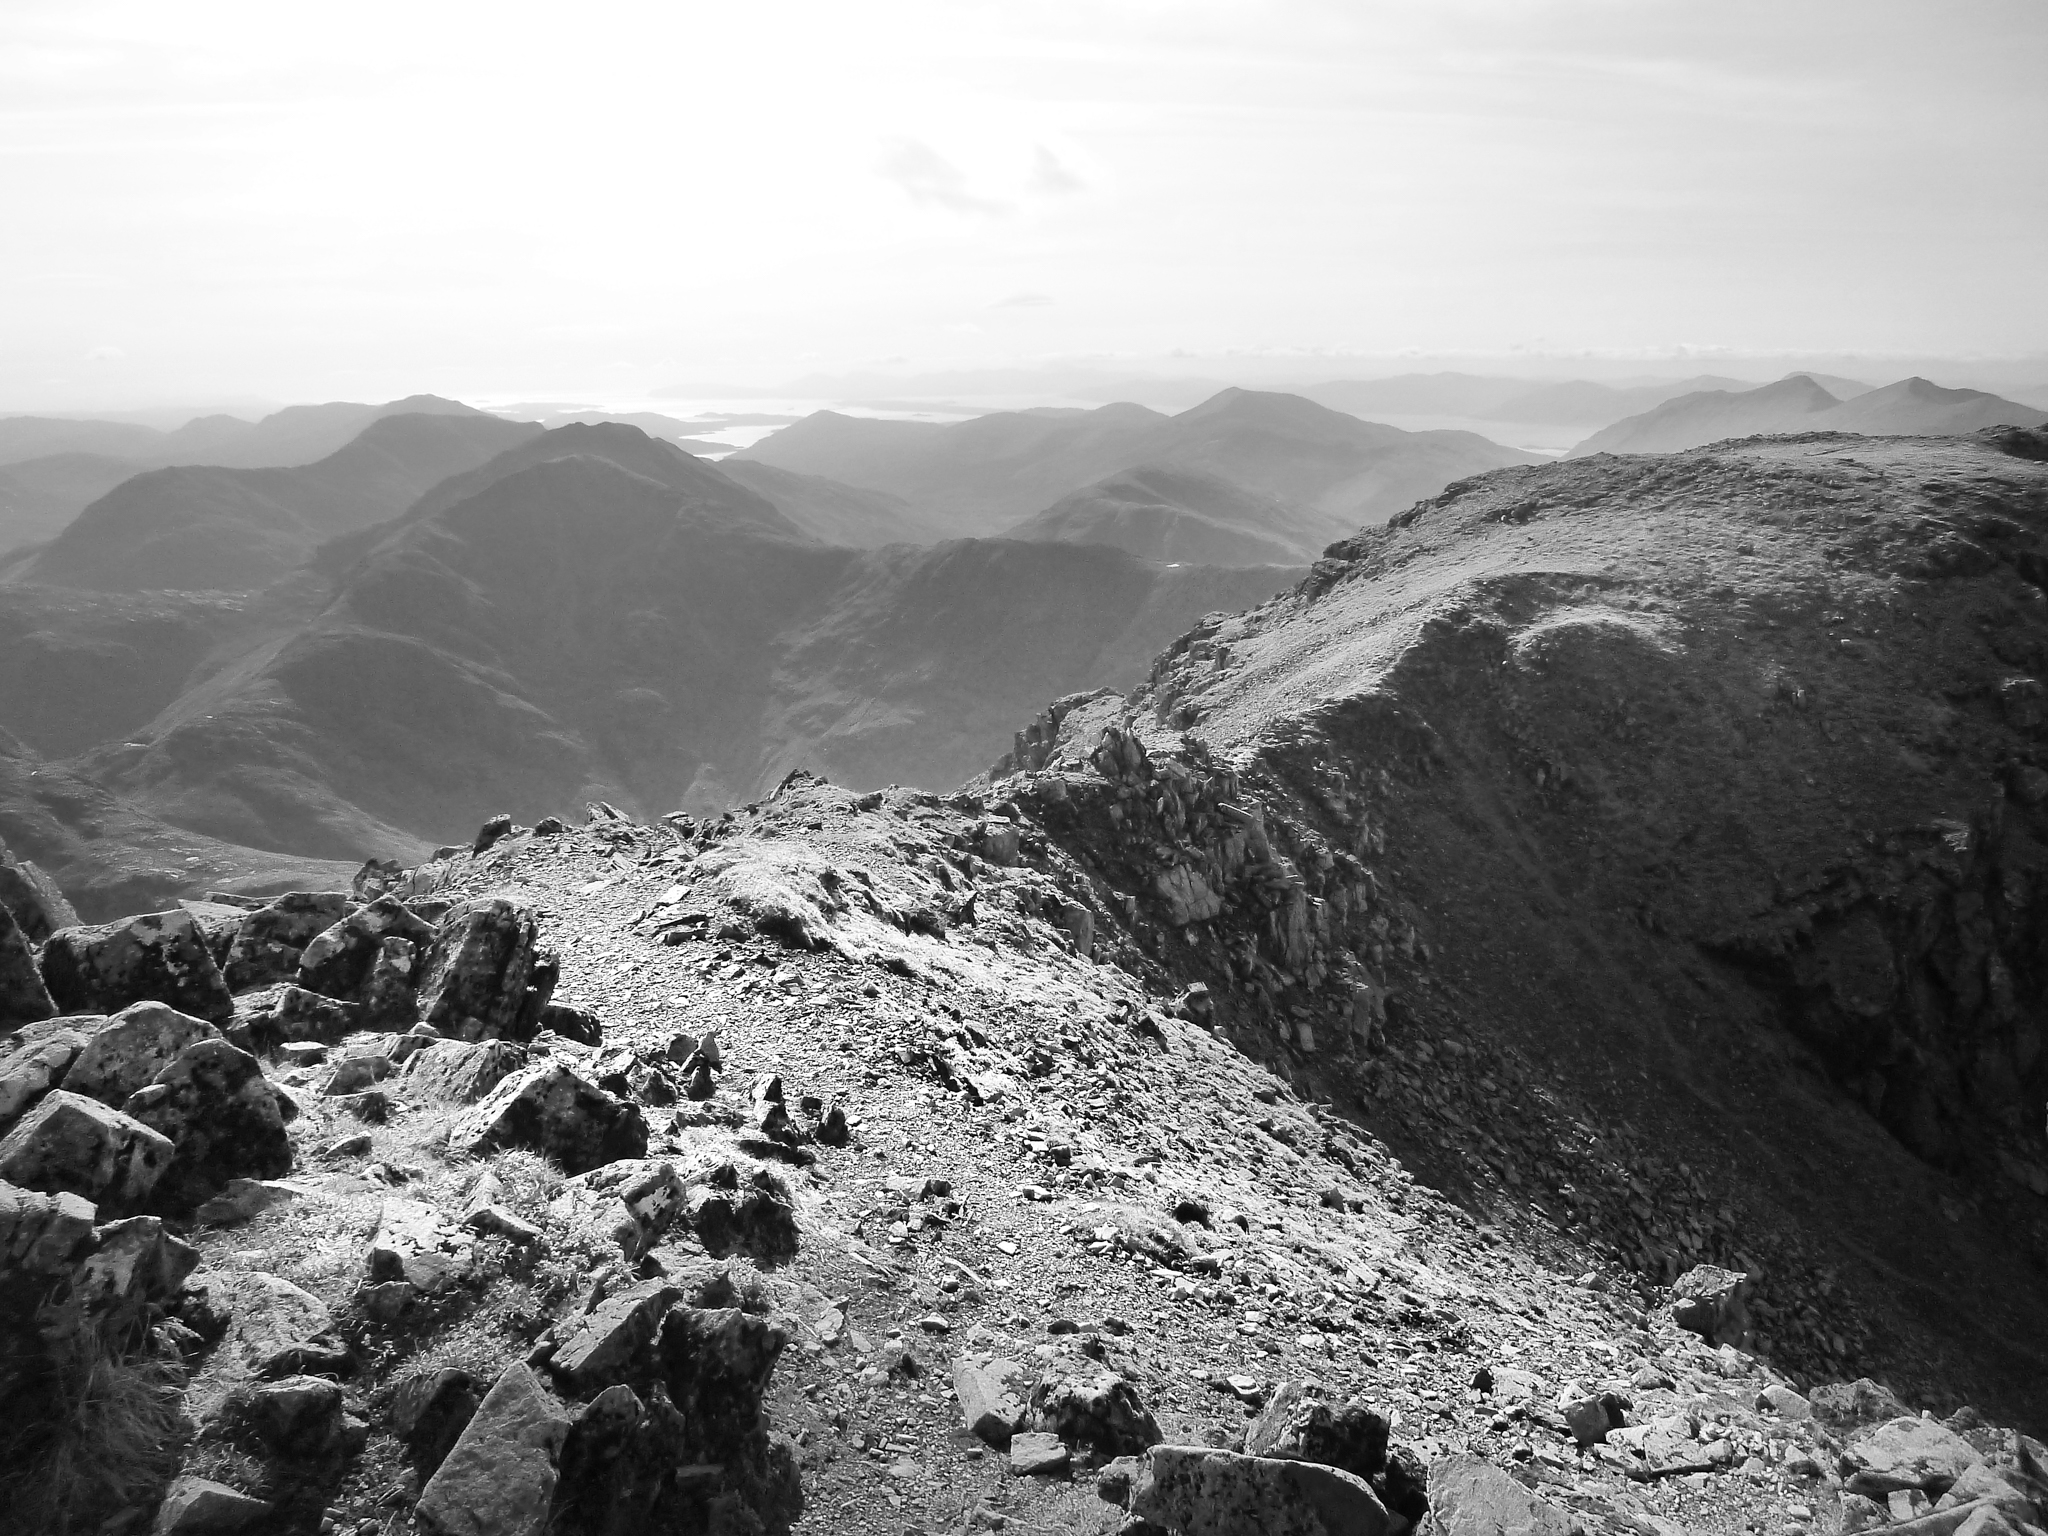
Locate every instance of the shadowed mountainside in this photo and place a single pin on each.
(1719, 784)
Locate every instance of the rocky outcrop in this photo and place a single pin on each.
(124, 1054)
(474, 983)
(159, 957)
(268, 946)
(1202, 1491)
(340, 960)
(549, 1109)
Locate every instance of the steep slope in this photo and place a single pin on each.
(111, 857)
(1711, 416)
(982, 475)
(203, 528)
(38, 497)
(832, 512)
(574, 630)
(1801, 402)
(1716, 786)
(1179, 515)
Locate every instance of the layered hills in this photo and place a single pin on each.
(52, 468)
(1803, 403)
(983, 475)
(589, 614)
(206, 527)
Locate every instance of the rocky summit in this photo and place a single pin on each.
(1535, 1029)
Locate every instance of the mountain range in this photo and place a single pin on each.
(1803, 403)
(986, 474)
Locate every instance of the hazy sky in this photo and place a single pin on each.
(308, 200)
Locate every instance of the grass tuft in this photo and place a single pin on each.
(109, 1442)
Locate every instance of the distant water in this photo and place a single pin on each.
(723, 426)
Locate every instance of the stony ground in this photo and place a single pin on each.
(1025, 1124)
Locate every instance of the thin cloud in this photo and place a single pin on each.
(1023, 301)
(933, 181)
(1050, 177)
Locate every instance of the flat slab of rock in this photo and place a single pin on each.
(462, 1072)
(78, 1145)
(1200, 1491)
(1469, 1496)
(500, 1478)
(416, 1243)
(195, 1505)
(595, 1350)
(267, 1314)
(158, 957)
(1034, 1454)
(551, 1110)
(1908, 1453)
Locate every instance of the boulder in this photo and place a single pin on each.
(462, 1072)
(1469, 1496)
(578, 1024)
(549, 1109)
(37, 1062)
(338, 961)
(473, 982)
(71, 1143)
(1097, 1409)
(1907, 1453)
(272, 938)
(215, 1104)
(159, 957)
(1713, 1303)
(277, 1015)
(716, 1362)
(991, 1402)
(389, 998)
(125, 1054)
(244, 1200)
(500, 1478)
(24, 998)
(600, 1348)
(299, 1422)
(1299, 1424)
(195, 1505)
(218, 925)
(1851, 1405)
(41, 1235)
(33, 900)
(1200, 1491)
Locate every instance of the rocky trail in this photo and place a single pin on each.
(804, 1170)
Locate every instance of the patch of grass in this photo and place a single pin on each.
(108, 1440)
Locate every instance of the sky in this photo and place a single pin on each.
(214, 200)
